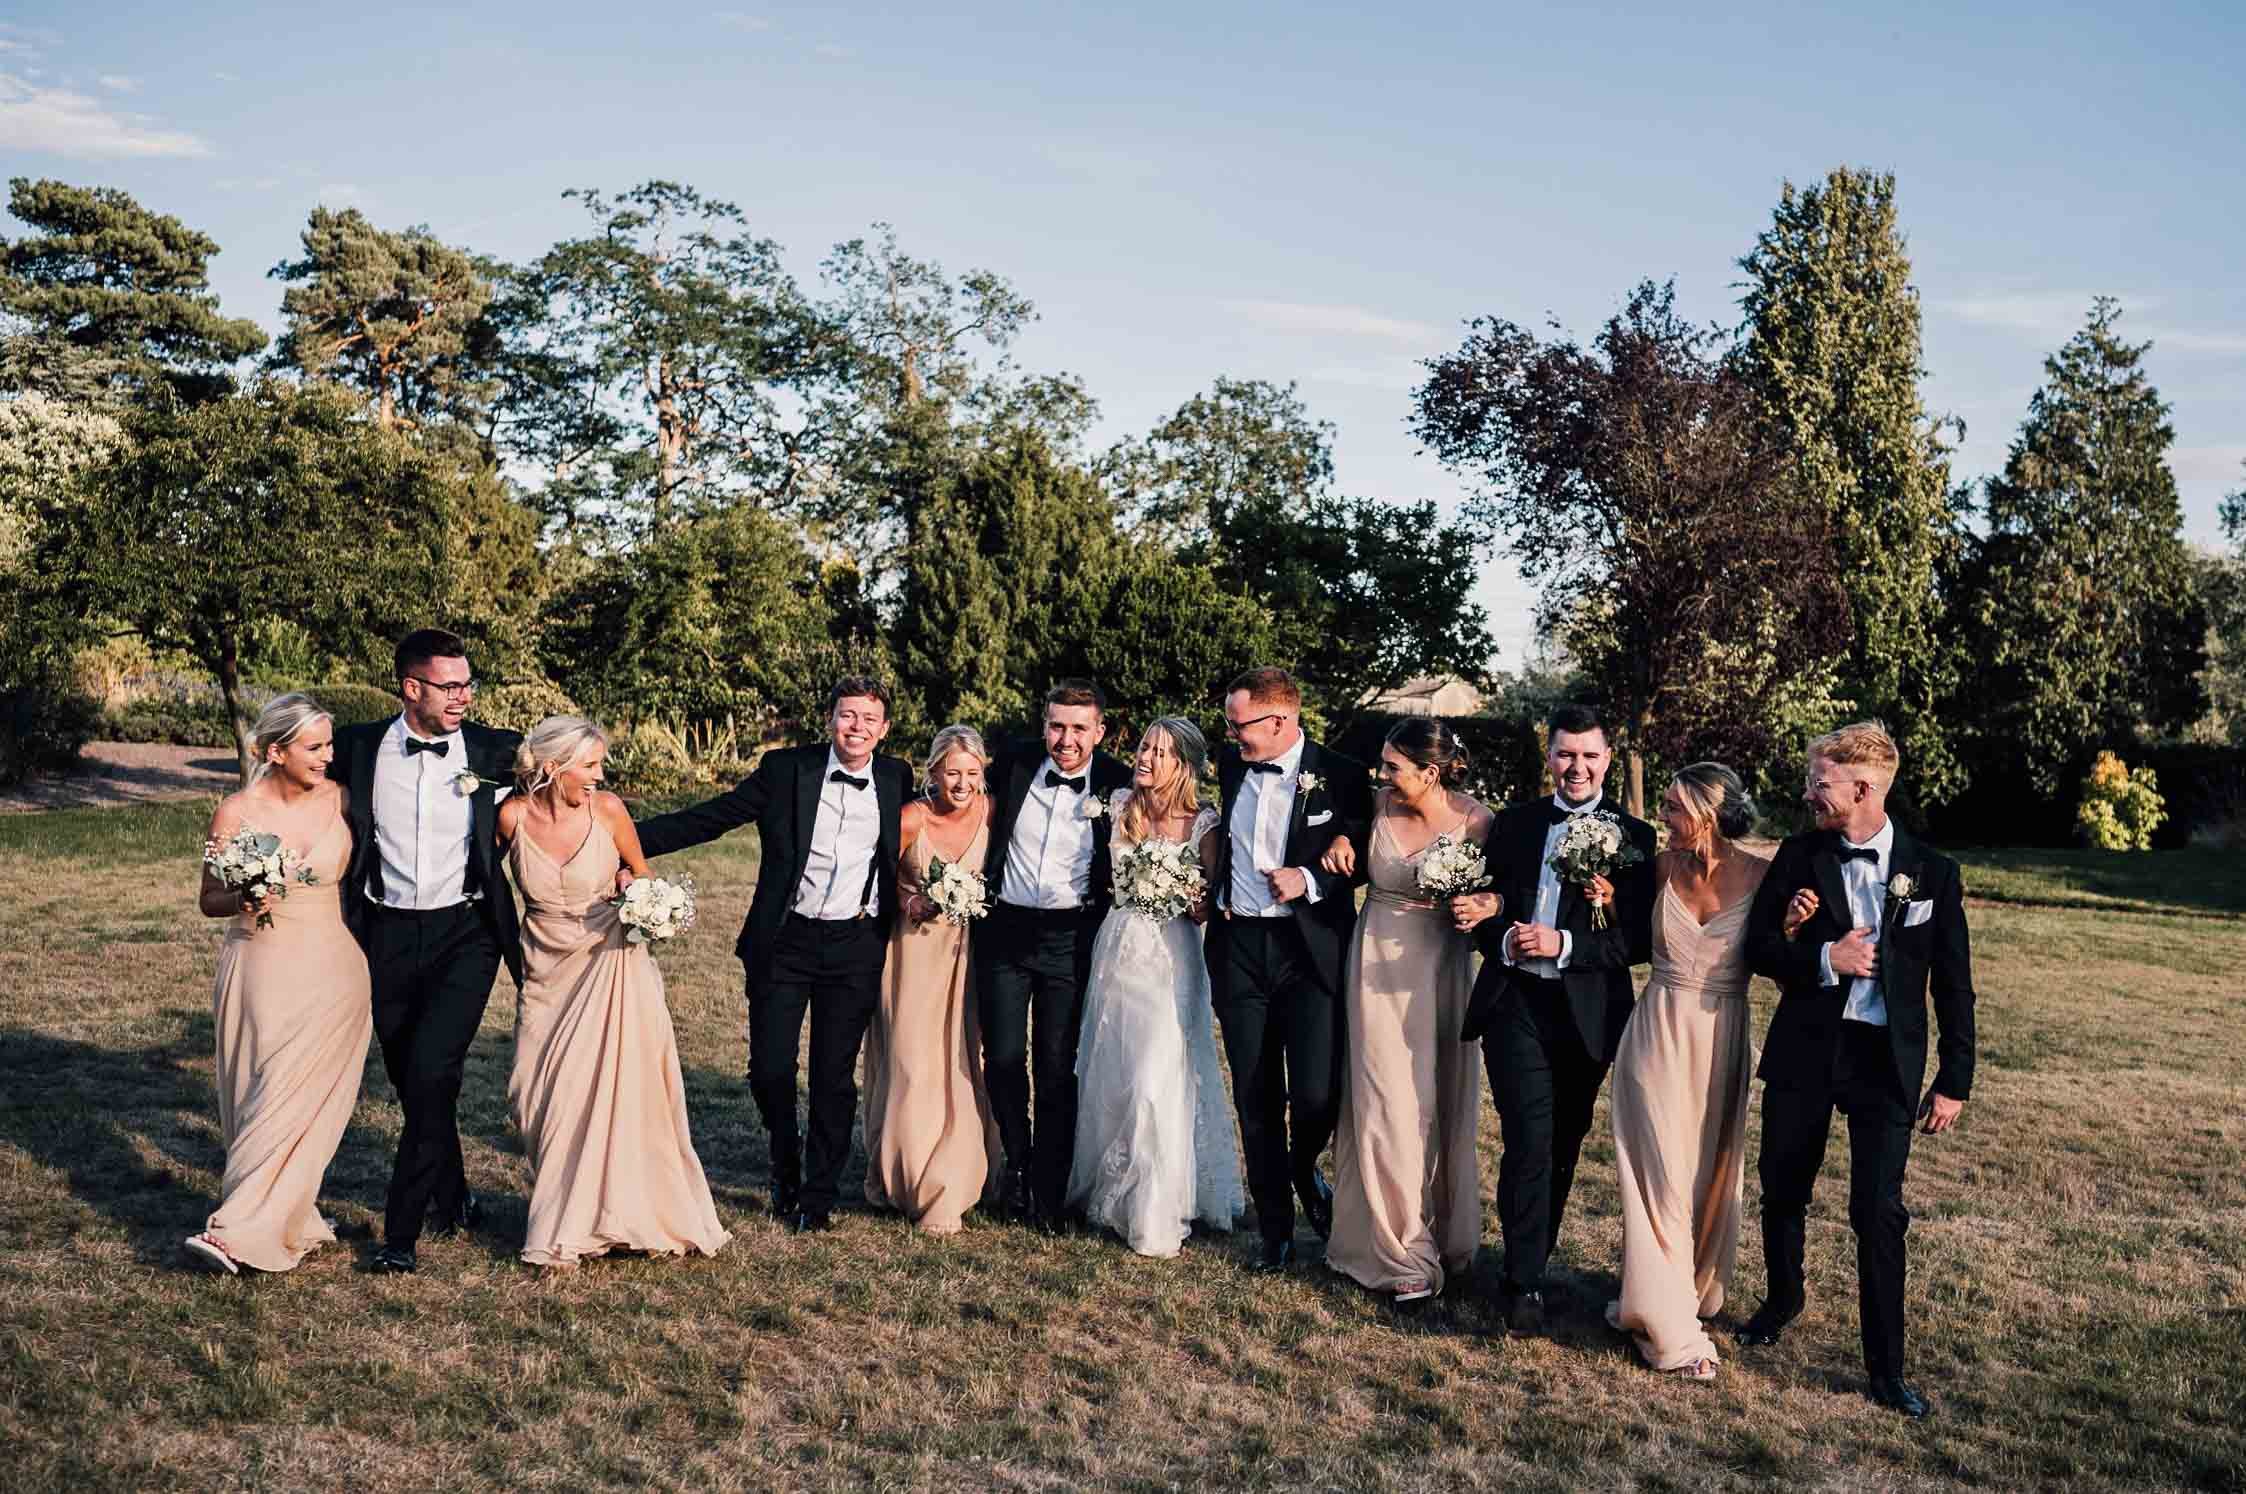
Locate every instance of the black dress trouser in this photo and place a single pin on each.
(1031, 966)
(1797, 1117)
(1545, 1083)
(832, 969)
(431, 973)
(1283, 1039)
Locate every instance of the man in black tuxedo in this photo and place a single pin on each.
(1047, 869)
(1278, 945)
(1553, 997)
(817, 934)
(1856, 921)
(425, 897)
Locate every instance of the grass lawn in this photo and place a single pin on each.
(2077, 1296)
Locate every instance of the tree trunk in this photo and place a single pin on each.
(1634, 791)
(230, 691)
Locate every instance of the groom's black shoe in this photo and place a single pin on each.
(1892, 1392)
(1765, 1328)
(1524, 1312)
(1277, 1255)
(787, 1198)
(1318, 1203)
(469, 1216)
(393, 1260)
(1014, 1197)
(809, 1222)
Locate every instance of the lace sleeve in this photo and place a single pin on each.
(1204, 822)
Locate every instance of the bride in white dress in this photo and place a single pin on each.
(1155, 1150)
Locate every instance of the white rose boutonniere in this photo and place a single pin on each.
(1308, 782)
(468, 780)
(1094, 806)
(1900, 887)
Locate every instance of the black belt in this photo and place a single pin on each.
(398, 912)
(1048, 915)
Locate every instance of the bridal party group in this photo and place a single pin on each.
(1037, 951)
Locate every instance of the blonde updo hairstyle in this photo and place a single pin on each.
(279, 724)
(1183, 796)
(954, 738)
(1717, 803)
(553, 746)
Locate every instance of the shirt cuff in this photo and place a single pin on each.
(1825, 974)
(1309, 885)
(1505, 948)
(1567, 947)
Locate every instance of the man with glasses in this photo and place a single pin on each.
(1276, 943)
(424, 894)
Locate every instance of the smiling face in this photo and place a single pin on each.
(957, 781)
(437, 695)
(1156, 765)
(1686, 832)
(1835, 793)
(1264, 730)
(1411, 782)
(857, 725)
(1578, 762)
(303, 760)
(574, 785)
(1071, 732)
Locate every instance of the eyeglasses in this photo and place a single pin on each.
(1238, 728)
(451, 690)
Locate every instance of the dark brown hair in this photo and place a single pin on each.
(1077, 692)
(423, 644)
(1430, 742)
(1268, 684)
(1575, 718)
(859, 684)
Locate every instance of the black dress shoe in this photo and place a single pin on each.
(1277, 1256)
(469, 1216)
(1318, 1204)
(1015, 1199)
(1765, 1328)
(787, 1198)
(394, 1260)
(1524, 1312)
(809, 1222)
(1892, 1392)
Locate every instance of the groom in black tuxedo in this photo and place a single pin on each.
(425, 897)
(1552, 999)
(1857, 922)
(1278, 945)
(817, 934)
(1048, 873)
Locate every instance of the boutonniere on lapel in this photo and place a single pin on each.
(1307, 783)
(1900, 889)
(468, 780)
(1095, 807)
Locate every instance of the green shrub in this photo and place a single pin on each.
(649, 759)
(355, 705)
(519, 705)
(2119, 809)
(44, 721)
(183, 716)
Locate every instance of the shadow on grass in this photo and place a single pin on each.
(2197, 879)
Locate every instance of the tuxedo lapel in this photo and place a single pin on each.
(890, 801)
(809, 783)
(1832, 887)
(1298, 813)
(1231, 772)
(1903, 860)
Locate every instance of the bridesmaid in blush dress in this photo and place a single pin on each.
(596, 1089)
(930, 1137)
(290, 1005)
(1407, 1185)
(1680, 1080)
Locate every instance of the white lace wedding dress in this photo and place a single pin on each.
(1155, 1148)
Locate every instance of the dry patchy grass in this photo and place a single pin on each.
(2078, 1287)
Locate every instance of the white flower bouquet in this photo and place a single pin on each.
(1452, 865)
(959, 892)
(1159, 879)
(653, 909)
(255, 864)
(1593, 845)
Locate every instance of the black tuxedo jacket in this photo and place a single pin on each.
(1013, 773)
(1935, 955)
(490, 753)
(1597, 977)
(781, 798)
(1341, 804)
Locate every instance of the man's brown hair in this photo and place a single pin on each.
(1861, 744)
(1077, 692)
(860, 684)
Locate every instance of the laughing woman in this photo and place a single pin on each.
(290, 1005)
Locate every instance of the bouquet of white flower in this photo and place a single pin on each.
(959, 892)
(655, 908)
(1452, 865)
(1159, 879)
(1593, 845)
(255, 864)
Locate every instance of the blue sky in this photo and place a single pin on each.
(1307, 192)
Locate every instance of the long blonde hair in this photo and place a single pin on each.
(278, 725)
(553, 744)
(1149, 807)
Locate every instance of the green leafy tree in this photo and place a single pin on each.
(2222, 589)
(1162, 637)
(2081, 596)
(1832, 352)
(1633, 484)
(281, 501)
(393, 315)
(1246, 449)
(106, 299)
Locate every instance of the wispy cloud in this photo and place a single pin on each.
(247, 183)
(67, 123)
(1101, 163)
(1334, 321)
(740, 20)
(224, 77)
(1396, 374)
(833, 51)
(2045, 314)
(2207, 463)
(340, 194)
(119, 83)
(2178, 339)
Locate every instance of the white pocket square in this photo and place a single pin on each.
(1319, 818)
(1917, 913)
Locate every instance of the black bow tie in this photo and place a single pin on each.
(1264, 768)
(838, 776)
(1558, 816)
(1054, 780)
(415, 744)
(1857, 853)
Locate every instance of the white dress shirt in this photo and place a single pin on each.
(1049, 858)
(844, 838)
(1262, 811)
(1866, 882)
(1547, 910)
(422, 822)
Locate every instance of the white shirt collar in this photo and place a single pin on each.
(1290, 761)
(1882, 841)
(836, 765)
(399, 731)
(1585, 807)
